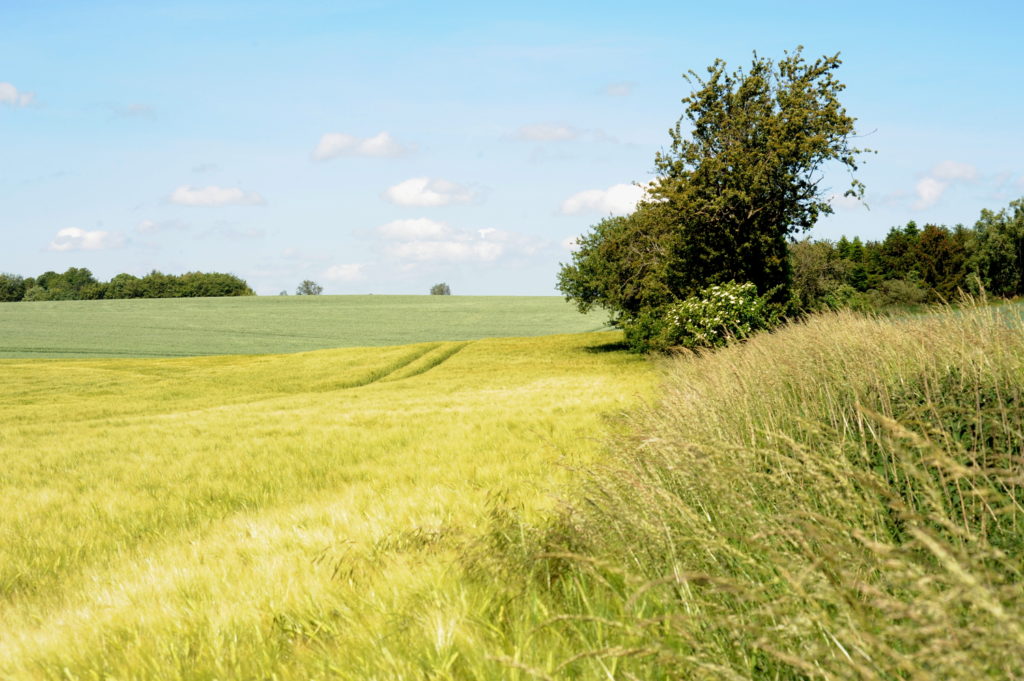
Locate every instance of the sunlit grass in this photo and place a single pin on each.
(299, 516)
(841, 499)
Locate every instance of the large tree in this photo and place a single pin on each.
(743, 172)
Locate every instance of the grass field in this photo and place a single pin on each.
(273, 324)
(290, 516)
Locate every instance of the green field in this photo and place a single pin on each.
(291, 516)
(273, 324)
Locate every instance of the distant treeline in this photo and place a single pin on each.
(78, 283)
(913, 265)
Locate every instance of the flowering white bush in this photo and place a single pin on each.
(716, 315)
(707, 320)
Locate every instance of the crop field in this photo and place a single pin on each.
(289, 516)
(273, 324)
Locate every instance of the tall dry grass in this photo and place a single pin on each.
(841, 499)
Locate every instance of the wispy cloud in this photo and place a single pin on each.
(132, 111)
(423, 240)
(214, 196)
(547, 132)
(381, 145)
(11, 96)
(414, 228)
(619, 199)
(621, 89)
(154, 226)
(233, 233)
(345, 272)
(951, 171)
(77, 239)
(424, 191)
(932, 187)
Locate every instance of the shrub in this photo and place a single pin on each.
(896, 293)
(441, 289)
(36, 293)
(709, 319)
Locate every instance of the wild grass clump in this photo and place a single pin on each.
(841, 499)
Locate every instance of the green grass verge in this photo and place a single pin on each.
(273, 324)
(841, 499)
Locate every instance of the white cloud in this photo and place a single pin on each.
(619, 199)
(621, 89)
(214, 196)
(929, 191)
(930, 188)
(346, 272)
(546, 132)
(76, 239)
(10, 95)
(381, 145)
(424, 191)
(422, 240)
(951, 170)
(450, 251)
(569, 243)
(415, 228)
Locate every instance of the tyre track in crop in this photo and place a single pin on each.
(427, 361)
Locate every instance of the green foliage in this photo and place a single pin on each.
(913, 265)
(79, 284)
(36, 293)
(125, 286)
(744, 172)
(998, 257)
(710, 319)
(819, 274)
(308, 287)
(12, 287)
(623, 264)
(741, 175)
(441, 289)
(894, 293)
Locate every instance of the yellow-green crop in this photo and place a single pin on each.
(286, 516)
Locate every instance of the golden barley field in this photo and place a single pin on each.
(290, 516)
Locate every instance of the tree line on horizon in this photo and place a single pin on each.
(78, 283)
(912, 265)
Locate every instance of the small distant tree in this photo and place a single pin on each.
(283, 293)
(441, 289)
(309, 288)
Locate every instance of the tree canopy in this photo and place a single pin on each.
(743, 172)
(308, 287)
(441, 289)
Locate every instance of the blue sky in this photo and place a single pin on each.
(381, 147)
